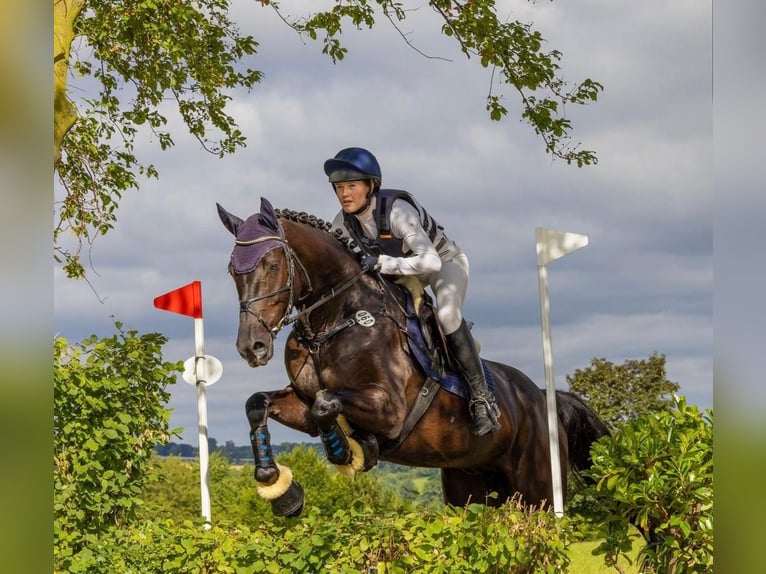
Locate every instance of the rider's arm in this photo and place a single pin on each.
(422, 258)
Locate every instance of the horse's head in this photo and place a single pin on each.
(263, 272)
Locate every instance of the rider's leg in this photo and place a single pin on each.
(483, 408)
(449, 287)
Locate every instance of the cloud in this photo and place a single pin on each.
(643, 284)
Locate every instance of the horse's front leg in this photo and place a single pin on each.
(275, 482)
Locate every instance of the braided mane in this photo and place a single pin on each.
(317, 223)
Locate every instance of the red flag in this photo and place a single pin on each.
(186, 300)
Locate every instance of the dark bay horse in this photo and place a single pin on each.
(354, 383)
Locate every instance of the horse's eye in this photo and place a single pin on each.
(274, 266)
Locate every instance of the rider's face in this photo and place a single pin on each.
(352, 195)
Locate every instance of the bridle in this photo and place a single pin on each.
(292, 262)
(244, 306)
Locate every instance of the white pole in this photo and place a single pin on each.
(201, 381)
(550, 393)
(551, 245)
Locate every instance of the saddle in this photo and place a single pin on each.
(426, 341)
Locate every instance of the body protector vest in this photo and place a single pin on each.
(385, 242)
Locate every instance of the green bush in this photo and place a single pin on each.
(233, 493)
(472, 540)
(656, 473)
(109, 412)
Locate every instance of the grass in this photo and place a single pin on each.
(584, 562)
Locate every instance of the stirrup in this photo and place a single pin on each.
(493, 411)
(491, 414)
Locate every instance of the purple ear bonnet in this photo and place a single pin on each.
(245, 258)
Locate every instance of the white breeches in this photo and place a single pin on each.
(449, 286)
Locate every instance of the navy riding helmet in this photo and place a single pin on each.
(353, 163)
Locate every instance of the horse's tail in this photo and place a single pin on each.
(583, 428)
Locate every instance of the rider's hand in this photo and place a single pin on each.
(369, 263)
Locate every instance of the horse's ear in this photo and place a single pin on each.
(230, 222)
(268, 215)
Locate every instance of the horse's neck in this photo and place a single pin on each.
(325, 262)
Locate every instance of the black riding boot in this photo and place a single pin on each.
(482, 406)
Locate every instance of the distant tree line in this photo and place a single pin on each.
(233, 453)
(420, 486)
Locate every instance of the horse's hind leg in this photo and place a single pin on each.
(275, 482)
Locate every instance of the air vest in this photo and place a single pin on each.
(385, 242)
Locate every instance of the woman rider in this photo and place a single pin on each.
(398, 237)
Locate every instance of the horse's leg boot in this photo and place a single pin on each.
(335, 444)
(482, 406)
(266, 470)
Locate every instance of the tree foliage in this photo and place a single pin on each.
(133, 55)
(512, 49)
(234, 497)
(109, 412)
(140, 53)
(621, 393)
(656, 473)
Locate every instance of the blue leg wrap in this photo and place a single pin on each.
(260, 441)
(335, 444)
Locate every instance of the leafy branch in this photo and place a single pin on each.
(513, 49)
(151, 50)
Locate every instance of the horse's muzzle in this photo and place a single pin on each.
(256, 353)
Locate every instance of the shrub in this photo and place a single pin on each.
(109, 413)
(656, 474)
(477, 540)
(233, 489)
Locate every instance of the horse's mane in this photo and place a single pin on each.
(317, 223)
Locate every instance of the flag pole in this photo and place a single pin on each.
(551, 245)
(201, 381)
(200, 370)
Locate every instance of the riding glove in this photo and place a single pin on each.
(370, 263)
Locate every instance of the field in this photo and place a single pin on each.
(583, 561)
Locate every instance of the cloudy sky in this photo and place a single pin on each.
(644, 283)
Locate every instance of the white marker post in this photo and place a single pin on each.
(552, 245)
(200, 370)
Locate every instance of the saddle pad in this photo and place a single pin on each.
(450, 381)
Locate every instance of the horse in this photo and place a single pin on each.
(354, 382)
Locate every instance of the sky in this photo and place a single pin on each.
(643, 284)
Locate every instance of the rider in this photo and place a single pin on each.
(398, 237)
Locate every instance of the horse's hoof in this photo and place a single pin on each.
(370, 450)
(290, 504)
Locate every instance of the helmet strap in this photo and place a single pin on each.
(366, 205)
